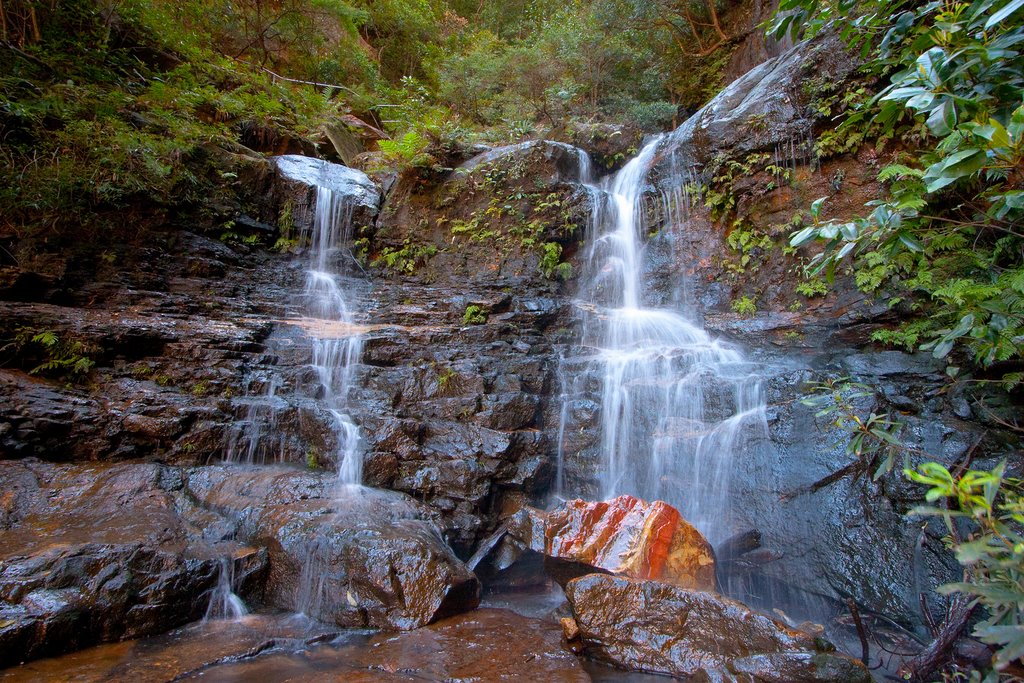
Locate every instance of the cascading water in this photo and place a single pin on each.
(674, 403)
(224, 604)
(325, 316)
(336, 342)
(336, 346)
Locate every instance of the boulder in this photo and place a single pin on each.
(624, 536)
(630, 537)
(352, 556)
(659, 628)
(298, 181)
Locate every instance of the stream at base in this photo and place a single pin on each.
(489, 644)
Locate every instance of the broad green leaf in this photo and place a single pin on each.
(1007, 9)
(910, 243)
(964, 163)
(943, 118)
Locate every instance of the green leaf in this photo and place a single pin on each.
(816, 206)
(963, 163)
(910, 243)
(943, 118)
(1008, 9)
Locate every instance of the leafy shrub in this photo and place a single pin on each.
(54, 356)
(744, 306)
(474, 315)
(992, 551)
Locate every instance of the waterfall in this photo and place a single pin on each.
(224, 604)
(336, 346)
(336, 342)
(674, 403)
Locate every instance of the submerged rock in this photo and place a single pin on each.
(484, 645)
(660, 628)
(624, 536)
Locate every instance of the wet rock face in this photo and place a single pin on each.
(354, 557)
(451, 406)
(93, 553)
(659, 628)
(298, 178)
(170, 328)
(762, 108)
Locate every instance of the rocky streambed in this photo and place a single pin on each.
(120, 524)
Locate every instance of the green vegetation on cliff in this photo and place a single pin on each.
(947, 245)
(106, 106)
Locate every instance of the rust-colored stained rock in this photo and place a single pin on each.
(631, 537)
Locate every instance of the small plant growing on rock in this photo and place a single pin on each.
(551, 263)
(812, 288)
(313, 458)
(744, 306)
(56, 356)
(445, 378)
(406, 259)
(474, 315)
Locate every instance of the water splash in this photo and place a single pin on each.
(224, 603)
(676, 405)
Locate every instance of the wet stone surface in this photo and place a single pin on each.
(485, 645)
(95, 553)
(659, 628)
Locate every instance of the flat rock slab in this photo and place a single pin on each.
(486, 645)
(660, 628)
(176, 654)
(94, 553)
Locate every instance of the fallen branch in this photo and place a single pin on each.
(294, 80)
(27, 57)
(861, 633)
(852, 468)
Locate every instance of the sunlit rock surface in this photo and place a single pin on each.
(624, 536)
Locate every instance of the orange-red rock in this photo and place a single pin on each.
(631, 537)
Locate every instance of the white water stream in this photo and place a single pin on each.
(674, 403)
(334, 357)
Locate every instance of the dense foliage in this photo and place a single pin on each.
(104, 102)
(947, 244)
